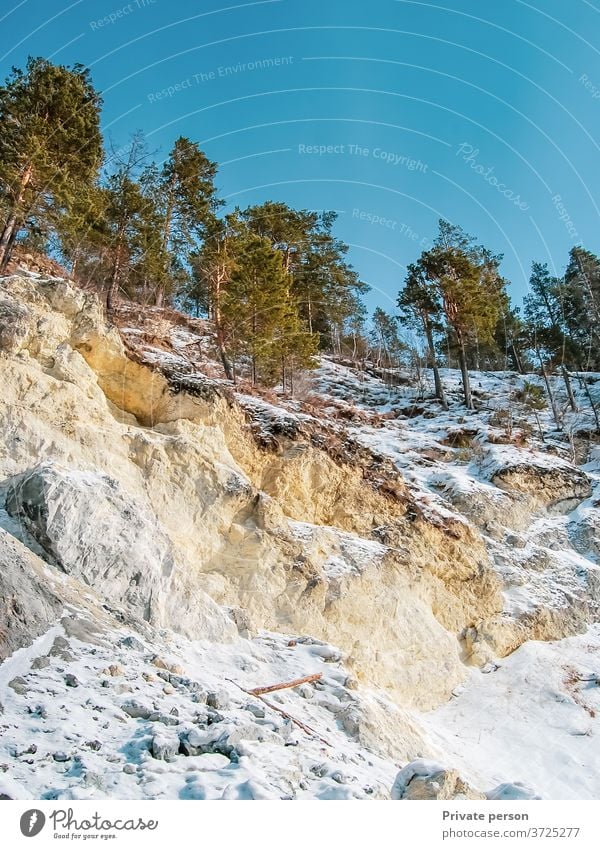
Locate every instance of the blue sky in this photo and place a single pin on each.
(394, 113)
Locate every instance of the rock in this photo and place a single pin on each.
(40, 662)
(421, 779)
(71, 681)
(165, 718)
(192, 742)
(60, 648)
(19, 685)
(213, 716)
(130, 769)
(219, 700)
(257, 710)
(61, 757)
(511, 791)
(14, 325)
(28, 605)
(305, 691)
(94, 745)
(114, 670)
(168, 689)
(132, 643)
(96, 532)
(31, 750)
(559, 486)
(137, 709)
(165, 745)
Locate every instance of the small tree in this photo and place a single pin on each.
(420, 309)
(531, 397)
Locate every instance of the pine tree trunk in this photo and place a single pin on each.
(11, 227)
(549, 391)
(591, 402)
(114, 283)
(570, 396)
(437, 379)
(216, 308)
(466, 382)
(517, 358)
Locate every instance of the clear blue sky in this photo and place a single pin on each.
(480, 112)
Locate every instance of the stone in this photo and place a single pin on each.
(165, 745)
(219, 700)
(28, 604)
(421, 779)
(71, 681)
(61, 757)
(165, 718)
(137, 709)
(305, 691)
(130, 769)
(19, 685)
(257, 710)
(133, 643)
(40, 662)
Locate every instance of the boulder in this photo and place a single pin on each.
(28, 605)
(95, 531)
(165, 745)
(421, 779)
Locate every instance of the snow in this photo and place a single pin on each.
(535, 718)
(85, 746)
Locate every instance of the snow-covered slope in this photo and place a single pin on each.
(172, 541)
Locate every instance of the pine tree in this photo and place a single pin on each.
(385, 339)
(124, 211)
(470, 289)
(421, 310)
(323, 282)
(50, 146)
(546, 320)
(254, 306)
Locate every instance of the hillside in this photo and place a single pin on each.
(170, 541)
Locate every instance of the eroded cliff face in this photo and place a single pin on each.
(153, 485)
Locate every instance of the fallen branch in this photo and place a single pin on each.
(306, 728)
(259, 691)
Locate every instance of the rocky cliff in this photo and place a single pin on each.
(150, 509)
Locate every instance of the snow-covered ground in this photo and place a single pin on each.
(534, 717)
(110, 714)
